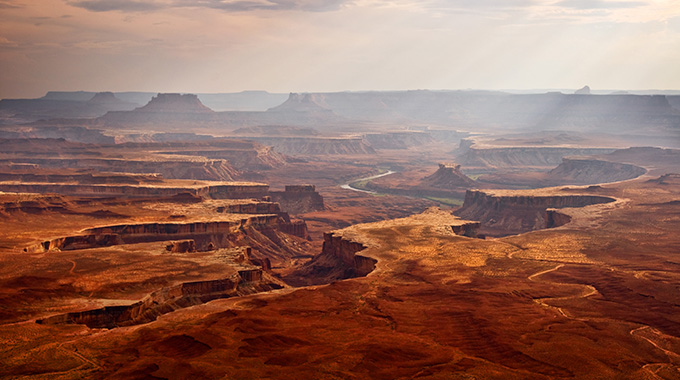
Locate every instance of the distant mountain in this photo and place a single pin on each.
(174, 103)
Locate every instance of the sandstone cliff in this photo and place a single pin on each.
(205, 235)
(299, 199)
(246, 281)
(338, 260)
(506, 213)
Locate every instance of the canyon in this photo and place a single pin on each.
(210, 236)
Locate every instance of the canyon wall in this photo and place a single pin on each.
(246, 281)
(169, 166)
(205, 235)
(521, 158)
(585, 171)
(298, 199)
(515, 213)
(233, 190)
(338, 260)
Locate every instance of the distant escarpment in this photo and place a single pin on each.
(398, 140)
(585, 171)
(521, 158)
(507, 212)
(169, 166)
(317, 145)
(241, 154)
(48, 107)
(248, 280)
(572, 171)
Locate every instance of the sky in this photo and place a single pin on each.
(200, 46)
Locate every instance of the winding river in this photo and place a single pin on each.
(348, 185)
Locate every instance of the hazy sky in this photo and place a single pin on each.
(336, 45)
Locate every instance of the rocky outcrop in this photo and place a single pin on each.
(469, 229)
(512, 213)
(448, 176)
(338, 260)
(298, 199)
(246, 281)
(554, 218)
(182, 246)
(205, 235)
(346, 251)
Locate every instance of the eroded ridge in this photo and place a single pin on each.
(246, 279)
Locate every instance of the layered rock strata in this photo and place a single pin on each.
(248, 280)
(298, 199)
(507, 212)
(206, 235)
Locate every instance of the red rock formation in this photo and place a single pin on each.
(467, 229)
(234, 190)
(517, 213)
(182, 246)
(203, 234)
(338, 260)
(448, 176)
(298, 199)
(247, 281)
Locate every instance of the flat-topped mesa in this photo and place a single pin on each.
(175, 103)
(106, 97)
(205, 235)
(447, 176)
(169, 166)
(521, 158)
(303, 103)
(298, 199)
(216, 190)
(586, 171)
(511, 212)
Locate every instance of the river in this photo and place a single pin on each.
(348, 185)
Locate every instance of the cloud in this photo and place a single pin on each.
(116, 5)
(599, 4)
(8, 5)
(225, 5)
